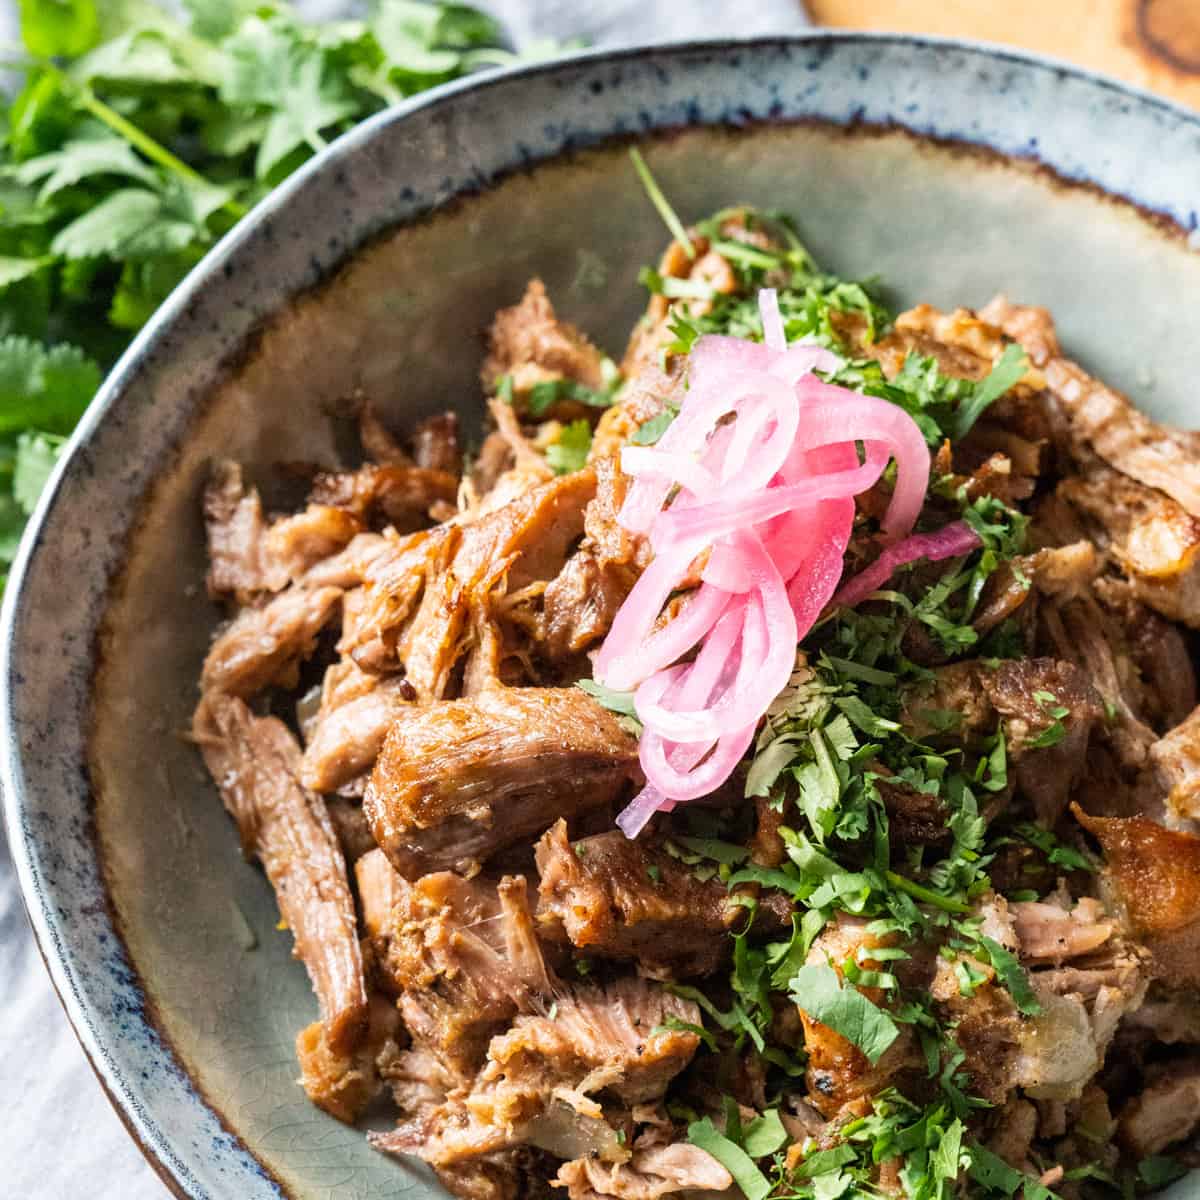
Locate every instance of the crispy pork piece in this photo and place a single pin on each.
(1166, 1111)
(233, 518)
(436, 444)
(650, 1174)
(1156, 873)
(579, 604)
(348, 568)
(1031, 326)
(1159, 650)
(1176, 759)
(439, 581)
(342, 1083)
(395, 495)
(530, 345)
(643, 397)
(462, 956)
(459, 780)
(264, 647)
(248, 557)
(652, 334)
(542, 1077)
(622, 899)
(256, 764)
(1103, 420)
(839, 1073)
(347, 734)
(379, 444)
(1151, 537)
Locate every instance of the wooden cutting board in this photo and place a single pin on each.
(1152, 43)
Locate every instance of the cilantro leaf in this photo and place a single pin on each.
(40, 388)
(650, 430)
(617, 702)
(819, 991)
(128, 222)
(570, 452)
(81, 159)
(764, 1135)
(36, 455)
(754, 1184)
(1160, 1169)
(1010, 369)
(54, 28)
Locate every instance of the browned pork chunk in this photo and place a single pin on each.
(345, 737)
(1104, 420)
(263, 647)
(1176, 758)
(621, 899)
(246, 556)
(708, 267)
(344, 1083)
(400, 496)
(544, 1078)
(454, 570)
(460, 954)
(256, 763)
(459, 780)
(1156, 872)
(233, 518)
(579, 604)
(1151, 537)
(530, 345)
(651, 1173)
(839, 1073)
(1166, 1111)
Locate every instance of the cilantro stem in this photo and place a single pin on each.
(925, 894)
(660, 202)
(140, 141)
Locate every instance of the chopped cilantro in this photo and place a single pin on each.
(545, 394)
(570, 452)
(718, 851)
(1160, 1169)
(617, 702)
(764, 1135)
(754, 1184)
(819, 991)
(650, 430)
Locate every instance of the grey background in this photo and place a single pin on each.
(58, 1135)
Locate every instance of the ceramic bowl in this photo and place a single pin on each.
(950, 170)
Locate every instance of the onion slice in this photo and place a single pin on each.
(755, 478)
(948, 542)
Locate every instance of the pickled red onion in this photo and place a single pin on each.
(760, 469)
(948, 542)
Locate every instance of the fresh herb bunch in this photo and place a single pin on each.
(136, 141)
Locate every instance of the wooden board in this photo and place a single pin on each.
(1152, 43)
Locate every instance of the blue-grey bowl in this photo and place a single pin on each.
(952, 170)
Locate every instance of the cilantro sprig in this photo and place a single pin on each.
(136, 140)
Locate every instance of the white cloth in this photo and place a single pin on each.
(57, 1131)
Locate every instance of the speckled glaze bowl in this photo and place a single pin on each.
(951, 170)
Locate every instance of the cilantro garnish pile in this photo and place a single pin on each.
(135, 141)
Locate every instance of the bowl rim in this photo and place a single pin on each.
(89, 1027)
